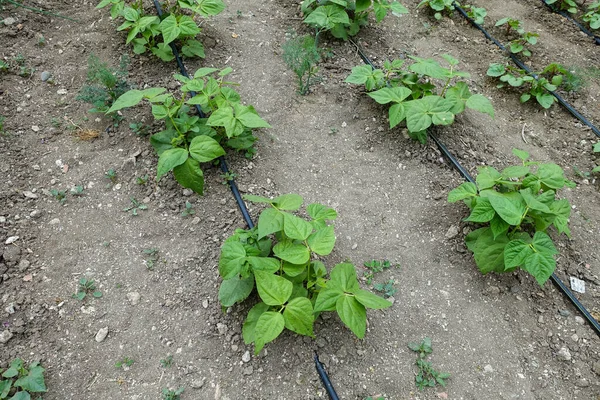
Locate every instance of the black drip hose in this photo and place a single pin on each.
(325, 379)
(520, 64)
(567, 16)
(222, 162)
(456, 164)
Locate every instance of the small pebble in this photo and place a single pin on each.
(354, 246)
(30, 195)
(5, 336)
(55, 221)
(564, 313)
(187, 192)
(11, 240)
(134, 298)
(564, 354)
(9, 21)
(45, 76)
(579, 320)
(246, 357)
(101, 335)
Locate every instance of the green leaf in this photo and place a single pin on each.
(362, 5)
(322, 241)
(515, 253)
(498, 226)
(390, 94)
(163, 51)
(269, 325)
(293, 270)
(344, 276)
(193, 48)
(458, 95)
(516, 171)
(187, 26)
(162, 141)
(541, 263)
(510, 206)
(321, 212)
(291, 252)
(428, 110)
(5, 386)
(464, 191)
(33, 382)
(233, 258)
(267, 264)
(371, 300)
(127, 99)
(397, 114)
(295, 227)
(496, 70)
(562, 211)
(298, 316)
(398, 9)
(482, 212)
(545, 99)
(551, 175)
(523, 155)
(235, 289)
(353, 314)
(170, 29)
(205, 149)
(327, 299)
(481, 103)
(273, 289)
(207, 8)
(288, 202)
(487, 178)
(190, 175)
(21, 396)
(170, 159)
(249, 327)
(250, 119)
(224, 117)
(487, 250)
(270, 221)
(532, 202)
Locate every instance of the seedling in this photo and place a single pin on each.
(3, 66)
(60, 195)
(345, 18)
(56, 122)
(387, 288)
(279, 257)
(592, 15)
(77, 190)
(564, 5)
(2, 119)
(142, 180)
(477, 14)
(124, 362)
(189, 140)
(301, 55)
(375, 398)
(22, 383)
(85, 287)
(427, 375)
(517, 45)
(41, 41)
(373, 267)
(517, 206)
(413, 96)
(172, 394)
(167, 362)
(228, 177)
(438, 6)
(139, 128)
(135, 207)
(104, 85)
(596, 150)
(111, 175)
(189, 210)
(151, 257)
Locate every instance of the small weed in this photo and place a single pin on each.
(375, 398)
(152, 257)
(301, 55)
(41, 41)
(373, 267)
(169, 394)
(86, 286)
(167, 362)
(139, 128)
(596, 150)
(333, 131)
(2, 119)
(387, 288)
(142, 180)
(77, 190)
(60, 195)
(427, 375)
(126, 361)
(135, 206)
(188, 210)
(228, 177)
(3, 66)
(20, 382)
(580, 173)
(56, 122)
(111, 175)
(238, 13)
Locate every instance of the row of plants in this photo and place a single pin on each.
(590, 15)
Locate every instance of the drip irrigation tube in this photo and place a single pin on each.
(325, 379)
(223, 164)
(456, 164)
(580, 26)
(520, 64)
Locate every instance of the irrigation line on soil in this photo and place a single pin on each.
(325, 379)
(520, 64)
(222, 162)
(456, 164)
(579, 25)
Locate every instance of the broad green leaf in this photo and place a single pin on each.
(481, 103)
(464, 191)
(193, 48)
(487, 177)
(235, 289)
(233, 257)
(187, 26)
(523, 155)
(159, 111)
(248, 329)
(551, 175)
(291, 252)
(321, 212)
(532, 202)
(200, 72)
(163, 51)
(428, 110)
(327, 299)
(516, 171)
(127, 99)
(362, 5)
(352, 314)
(496, 70)
(510, 206)
(267, 264)
(190, 175)
(33, 382)
(21, 396)
(344, 276)
(205, 149)
(269, 325)
(562, 211)
(5, 386)
(224, 117)
(257, 199)
(515, 253)
(482, 212)
(298, 316)
(360, 74)
(498, 226)
(207, 8)
(273, 289)
(170, 29)
(541, 266)
(170, 159)
(250, 119)
(322, 241)
(293, 270)
(430, 68)
(390, 94)
(458, 95)
(489, 252)
(398, 9)
(295, 227)
(269, 221)
(288, 202)
(397, 114)
(371, 300)
(545, 99)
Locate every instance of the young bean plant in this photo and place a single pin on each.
(21, 383)
(564, 5)
(592, 15)
(189, 139)
(518, 44)
(279, 258)
(151, 33)
(344, 18)
(517, 205)
(438, 7)
(477, 14)
(413, 94)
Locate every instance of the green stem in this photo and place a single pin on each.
(42, 11)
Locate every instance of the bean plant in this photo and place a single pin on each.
(596, 150)
(21, 382)
(592, 15)
(414, 96)
(564, 5)
(438, 6)
(519, 44)
(477, 14)
(190, 139)
(151, 33)
(517, 207)
(344, 18)
(279, 257)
